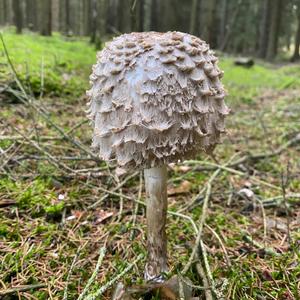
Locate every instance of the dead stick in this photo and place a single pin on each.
(22, 288)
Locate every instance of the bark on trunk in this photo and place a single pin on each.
(18, 16)
(156, 189)
(223, 22)
(147, 15)
(274, 29)
(264, 29)
(46, 18)
(31, 12)
(296, 54)
(193, 19)
(208, 21)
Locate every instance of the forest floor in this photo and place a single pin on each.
(60, 208)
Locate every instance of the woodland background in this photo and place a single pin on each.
(71, 226)
(249, 27)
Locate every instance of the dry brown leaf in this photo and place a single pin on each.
(102, 215)
(183, 188)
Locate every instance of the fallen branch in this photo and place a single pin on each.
(22, 288)
(100, 291)
(51, 158)
(92, 279)
(234, 171)
(278, 200)
(254, 157)
(201, 273)
(112, 192)
(70, 272)
(270, 251)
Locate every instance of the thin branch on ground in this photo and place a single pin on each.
(69, 274)
(234, 171)
(201, 273)
(270, 251)
(92, 278)
(23, 288)
(221, 244)
(100, 291)
(113, 191)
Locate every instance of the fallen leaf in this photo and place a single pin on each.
(102, 215)
(183, 188)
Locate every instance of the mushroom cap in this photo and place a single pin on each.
(155, 98)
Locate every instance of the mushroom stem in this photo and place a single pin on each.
(156, 190)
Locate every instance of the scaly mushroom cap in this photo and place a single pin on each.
(156, 98)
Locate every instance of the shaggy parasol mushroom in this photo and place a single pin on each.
(156, 98)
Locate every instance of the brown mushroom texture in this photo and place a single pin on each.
(156, 98)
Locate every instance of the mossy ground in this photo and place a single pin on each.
(45, 213)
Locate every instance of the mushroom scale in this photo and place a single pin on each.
(156, 98)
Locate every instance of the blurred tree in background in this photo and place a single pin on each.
(261, 28)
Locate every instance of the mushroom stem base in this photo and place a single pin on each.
(156, 190)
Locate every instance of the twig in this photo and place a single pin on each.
(22, 288)
(91, 280)
(77, 126)
(193, 286)
(100, 291)
(203, 216)
(51, 158)
(221, 243)
(275, 201)
(207, 268)
(201, 272)
(121, 207)
(113, 191)
(18, 137)
(268, 250)
(234, 171)
(284, 184)
(136, 209)
(264, 219)
(67, 158)
(69, 274)
(255, 156)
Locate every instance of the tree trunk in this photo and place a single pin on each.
(46, 18)
(141, 15)
(31, 14)
(231, 24)
(264, 28)
(208, 16)
(98, 22)
(274, 29)
(93, 21)
(133, 10)
(68, 30)
(296, 54)
(55, 15)
(18, 16)
(147, 15)
(193, 18)
(2, 13)
(156, 189)
(9, 15)
(223, 22)
(154, 15)
(87, 17)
